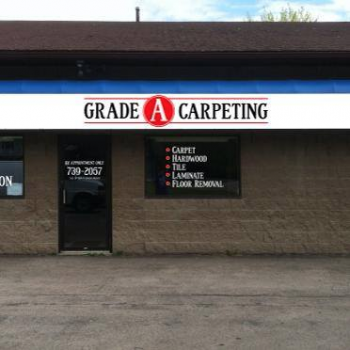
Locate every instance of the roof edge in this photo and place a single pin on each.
(181, 55)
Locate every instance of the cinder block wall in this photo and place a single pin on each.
(29, 225)
(295, 199)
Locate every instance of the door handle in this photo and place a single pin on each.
(64, 196)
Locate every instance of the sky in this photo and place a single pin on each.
(165, 10)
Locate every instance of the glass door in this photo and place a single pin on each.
(85, 192)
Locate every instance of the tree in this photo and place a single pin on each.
(287, 14)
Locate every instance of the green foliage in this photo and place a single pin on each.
(287, 14)
(95, 254)
(249, 18)
(118, 253)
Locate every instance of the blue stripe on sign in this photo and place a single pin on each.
(175, 87)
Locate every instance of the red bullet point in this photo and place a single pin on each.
(168, 183)
(167, 166)
(167, 174)
(167, 157)
(167, 149)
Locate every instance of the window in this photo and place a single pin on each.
(11, 166)
(192, 167)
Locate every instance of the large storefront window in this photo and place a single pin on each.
(192, 167)
(11, 166)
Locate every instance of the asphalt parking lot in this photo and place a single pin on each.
(174, 303)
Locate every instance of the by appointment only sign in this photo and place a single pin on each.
(81, 112)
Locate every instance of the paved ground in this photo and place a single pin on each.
(174, 303)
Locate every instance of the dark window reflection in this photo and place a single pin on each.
(192, 167)
(84, 192)
(11, 166)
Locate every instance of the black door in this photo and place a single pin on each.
(85, 192)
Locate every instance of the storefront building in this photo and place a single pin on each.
(162, 138)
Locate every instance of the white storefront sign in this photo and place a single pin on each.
(210, 112)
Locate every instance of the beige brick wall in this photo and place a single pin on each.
(29, 225)
(295, 188)
(296, 199)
